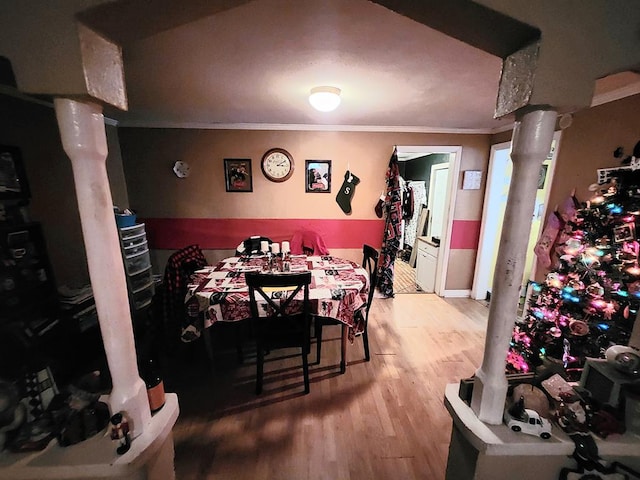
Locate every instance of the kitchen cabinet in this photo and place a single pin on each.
(426, 264)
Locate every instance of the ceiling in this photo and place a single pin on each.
(253, 66)
(252, 63)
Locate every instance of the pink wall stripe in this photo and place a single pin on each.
(465, 235)
(227, 233)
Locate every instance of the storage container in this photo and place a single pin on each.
(138, 262)
(123, 220)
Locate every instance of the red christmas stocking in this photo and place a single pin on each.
(567, 213)
(547, 239)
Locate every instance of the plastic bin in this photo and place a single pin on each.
(124, 221)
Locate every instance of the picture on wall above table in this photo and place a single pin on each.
(237, 174)
(318, 176)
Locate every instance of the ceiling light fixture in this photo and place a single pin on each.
(325, 99)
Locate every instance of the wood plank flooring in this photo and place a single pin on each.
(404, 278)
(382, 419)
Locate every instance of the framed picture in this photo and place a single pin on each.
(237, 174)
(624, 233)
(318, 176)
(13, 179)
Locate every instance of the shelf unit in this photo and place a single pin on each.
(27, 288)
(137, 266)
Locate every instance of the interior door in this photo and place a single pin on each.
(498, 181)
(437, 199)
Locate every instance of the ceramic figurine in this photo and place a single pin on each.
(120, 432)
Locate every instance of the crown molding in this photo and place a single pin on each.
(301, 127)
(618, 94)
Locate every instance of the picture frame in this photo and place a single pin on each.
(13, 177)
(237, 175)
(624, 233)
(317, 177)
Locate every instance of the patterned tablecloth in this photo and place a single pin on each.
(338, 288)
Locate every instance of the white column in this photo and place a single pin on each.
(84, 140)
(531, 144)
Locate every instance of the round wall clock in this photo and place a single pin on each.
(277, 165)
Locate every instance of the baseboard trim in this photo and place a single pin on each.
(456, 293)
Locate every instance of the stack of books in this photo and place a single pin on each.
(78, 306)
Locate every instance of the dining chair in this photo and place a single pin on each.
(281, 320)
(370, 264)
(251, 245)
(177, 273)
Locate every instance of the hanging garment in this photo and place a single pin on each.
(177, 274)
(403, 189)
(407, 203)
(419, 190)
(308, 242)
(392, 229)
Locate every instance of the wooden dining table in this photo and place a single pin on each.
(219, 293)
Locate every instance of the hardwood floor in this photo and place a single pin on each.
(382, 419)
(404, 278)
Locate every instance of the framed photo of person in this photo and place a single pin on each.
(317, 176)
(237, 174)
(13, 179)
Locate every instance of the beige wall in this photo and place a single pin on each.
(589, 143)
(148, 155)
(155, 192)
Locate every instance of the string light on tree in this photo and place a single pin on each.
(590, 297)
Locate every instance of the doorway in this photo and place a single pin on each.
(495, 200)
(434, 167)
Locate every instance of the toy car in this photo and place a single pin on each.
(530, 423)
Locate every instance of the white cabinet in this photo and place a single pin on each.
(427, 261)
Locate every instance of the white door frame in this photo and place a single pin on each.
(486, 245)
(454, 170)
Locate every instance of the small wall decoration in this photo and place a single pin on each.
(318, 176)
(13, 179)
(181, 169)
(471, 179)
(237, 174)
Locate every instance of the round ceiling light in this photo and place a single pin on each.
(325, 99)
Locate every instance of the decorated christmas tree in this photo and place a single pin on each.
(590, 298)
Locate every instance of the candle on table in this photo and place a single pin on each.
(275, 248)
(285, 247)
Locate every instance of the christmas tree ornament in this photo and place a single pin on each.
(578, 328)
(595, 290)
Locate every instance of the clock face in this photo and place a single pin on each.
(277, 165)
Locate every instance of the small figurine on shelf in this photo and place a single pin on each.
(120, 432)
(525, 420)
(517, 409)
